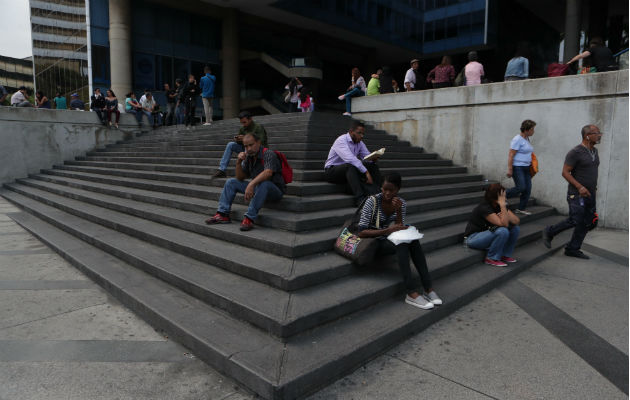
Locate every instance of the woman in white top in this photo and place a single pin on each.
(357, 88)
(519, 161)
(293, 87)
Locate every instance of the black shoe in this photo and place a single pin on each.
(576, 254)
(547, 238)
(219, 174)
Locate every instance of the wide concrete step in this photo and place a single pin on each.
(312, 145)
(217, 154)
(298, 188)
(182, 197)
(270, 269)
(295, 163)
(268, 366)
(329, 199)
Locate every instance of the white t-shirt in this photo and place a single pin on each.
(294, 95)
(410, 77)
(17, 98)
(360, 83)
(148, 104)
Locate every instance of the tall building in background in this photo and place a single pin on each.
(60, 47)
(16, 72)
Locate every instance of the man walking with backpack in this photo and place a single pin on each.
(266, 170)
(207, 93)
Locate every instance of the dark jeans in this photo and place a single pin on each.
(293, 107)
(439, 85)
(348, 173)
(170, 114)
(101, 113)
(581, 214)
(403, 251)
(522, 185)
(138, 114)
(190, 113)
(109, 115)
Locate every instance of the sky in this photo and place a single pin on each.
(15, 29)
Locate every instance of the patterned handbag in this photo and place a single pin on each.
(351, 246)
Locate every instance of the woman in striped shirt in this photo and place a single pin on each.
(383, 214)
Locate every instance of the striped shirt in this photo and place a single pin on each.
(368, 216)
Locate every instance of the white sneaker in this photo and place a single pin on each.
(342, 97)
(207, 124)
(524, 212)
(433, 298)
(419, 302)
(347, 114)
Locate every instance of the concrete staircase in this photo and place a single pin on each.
(274, 308)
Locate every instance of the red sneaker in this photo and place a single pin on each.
(247, 224)
(218, 219)
(508, 259)
(495, 263)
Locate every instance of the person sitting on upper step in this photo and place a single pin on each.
(493, 227)
(265, 170)
(390, 212)
(345, 164)
(248, 126)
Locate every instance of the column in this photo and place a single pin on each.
(571, 29)
(120, 46)
(231, 62)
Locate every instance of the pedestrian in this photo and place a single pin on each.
(519, 163)
(264, 168)
(247, 126)
(3, 94)
(207, 84)
(179, 106)
(291, 97)
(357, 88)
(98, 105)
(20, 98)
(580, 170)
(151, 109)
(442, 75)
(601, 58)
(133, 107)
(374, 85)
(171, 99)
(111, 106)
(345, 164)
(60, 101)
(493, 227)
(387, 84)
(41, 100)
(517, 68)
(305, 100)
(413, 78)
(473, 71)
(76, 103)
(189, 98)
(384, 214)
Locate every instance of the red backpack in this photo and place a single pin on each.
(287, 171)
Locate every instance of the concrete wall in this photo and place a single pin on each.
(32, 139)
(473, 126)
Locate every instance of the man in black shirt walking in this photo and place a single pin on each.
(580, 170)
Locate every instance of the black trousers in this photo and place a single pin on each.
(102, 114)
(189, 118)
(348, 173)
(403, 251)
(581, 214)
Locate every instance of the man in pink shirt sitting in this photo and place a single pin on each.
(473, 70)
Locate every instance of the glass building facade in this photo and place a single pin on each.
(60, 48)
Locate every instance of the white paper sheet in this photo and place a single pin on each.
(405, 236)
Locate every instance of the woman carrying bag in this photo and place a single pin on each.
(519, 165)
(383, 214)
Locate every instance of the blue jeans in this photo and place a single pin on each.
(153, 118)
(581, 213)
(138, 115)
(356, 92)
(522, 185)
(265, 190)
(499, 243)
(179, 114)
(231, 147)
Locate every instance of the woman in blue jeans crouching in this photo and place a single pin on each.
(493, 227)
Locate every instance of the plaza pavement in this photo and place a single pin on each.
(557, 331)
